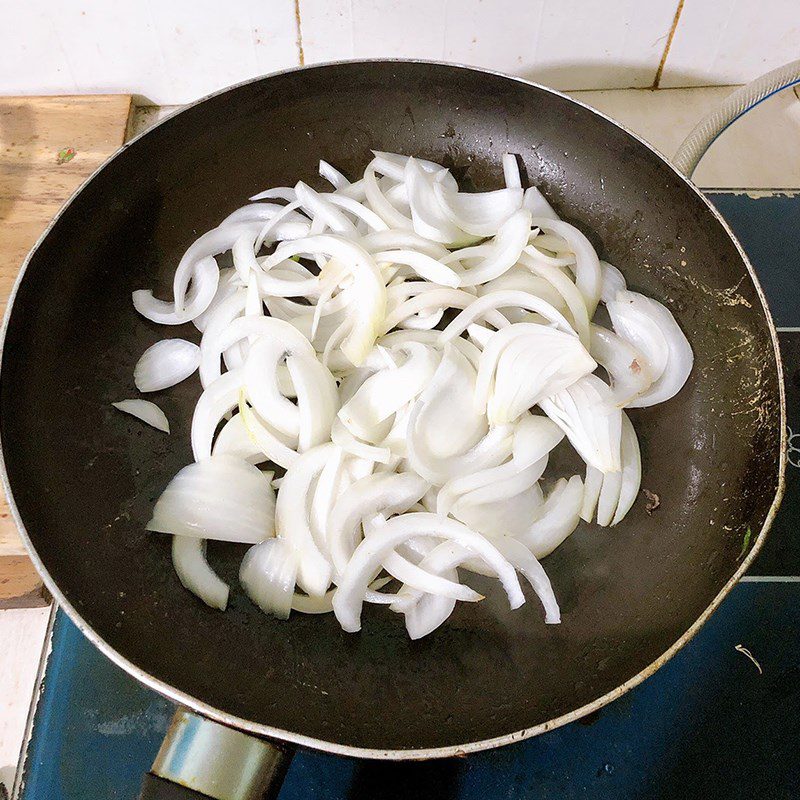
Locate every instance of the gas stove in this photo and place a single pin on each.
(720, 720)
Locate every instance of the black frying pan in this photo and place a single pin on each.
(83, 477)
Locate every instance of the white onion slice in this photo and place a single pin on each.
(626, 368)
(205, 281)
(145, 411)
(234, 440)
(478, 308)
(613, 281)
(588, 276)
(586, 412)
(652, 329)
(267, 573)
(560, 515)
(371, 495)
(189, 560)
(222, 498)
(292, 519)
(524, 363)
(165, 364)
(373, 550)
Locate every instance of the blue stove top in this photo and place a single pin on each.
(711, 723)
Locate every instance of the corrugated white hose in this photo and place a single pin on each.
(736, 105)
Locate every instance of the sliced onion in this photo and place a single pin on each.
(587, 270)
(560, 515)
(523, 364)
(381, 493)
(373, 550)
(626, 368)
(189, 560)
(613, 281)
(145, 411)
(165, 364)
(234, 440)
(586, 412)
(205, 280)
(651, 328)
(215, 402)
(292, 519)
(504, 251)
(537, 204)
(488, 302)
(273, 444)
(222, 498)
(268, 573)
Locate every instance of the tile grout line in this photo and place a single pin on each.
(668, 45)
(769, 579)
(786, 330)
(301, 56)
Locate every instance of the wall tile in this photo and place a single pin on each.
(564, 43)
(731, 41)
(170, 52)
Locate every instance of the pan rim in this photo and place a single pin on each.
(182, 698)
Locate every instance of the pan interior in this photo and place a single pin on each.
(84, 477)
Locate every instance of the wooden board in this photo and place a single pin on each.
(48, 147)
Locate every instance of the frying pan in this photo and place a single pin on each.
(82, 478)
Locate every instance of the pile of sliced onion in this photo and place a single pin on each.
(366, 451)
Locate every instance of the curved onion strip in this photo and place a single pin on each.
(222, 498)
(511, 171)
(560, 516)
(373, 550)
(234, 440)
(479, 308)
(265, 438)
(205, 281)
(319, 208)
(343, 438)
(379, 203)
(428, 582)
(215, 402)
(359, 210)
(592, 486)
(624, 364)
(587, 265)
(504, 251)
(568, 290)
(381, 493)
(292, 518)
(652, 329)
(189, 560)
(522, 279)
(216, 241)
(145, 411)
(268, 573)
(423, 265)
(439, 298)
(332, 175)
(631, 471)
(536, 203)
(613, 281)
(317, 399)
(586, 413)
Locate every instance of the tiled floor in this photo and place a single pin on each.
(759, 152)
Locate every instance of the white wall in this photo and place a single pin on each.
(173, 51)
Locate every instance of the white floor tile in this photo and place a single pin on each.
(22, 635)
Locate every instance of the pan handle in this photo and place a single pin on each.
(203, 759)
(736, 105)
